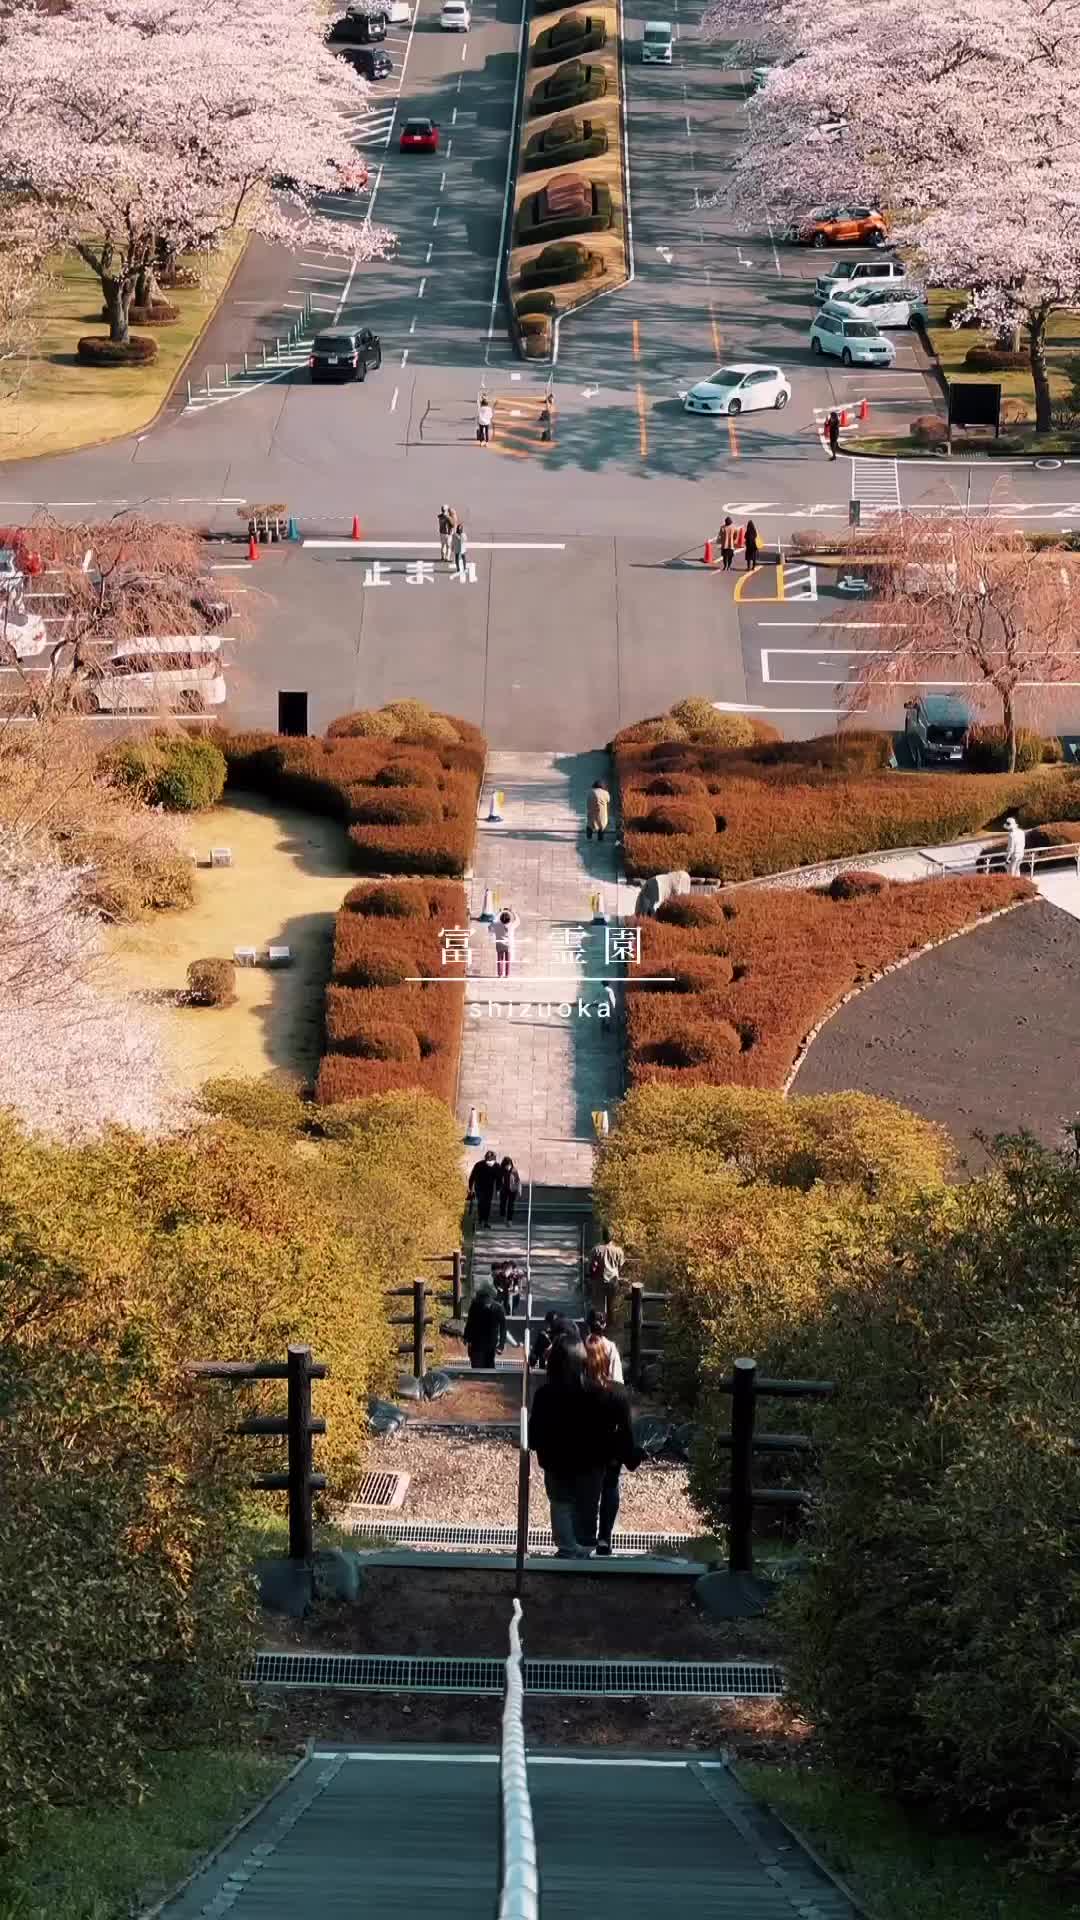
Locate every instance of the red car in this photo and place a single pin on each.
(420, 136)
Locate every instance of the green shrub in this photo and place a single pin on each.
(574, 34)
(529, 304)
(367, 724)
(184, 773)
(263, 1105)
(988, 750)
(571, 85)
(996, 360)
(211, 983)
(565, 142)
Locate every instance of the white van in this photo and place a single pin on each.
(180, 673)
(656, 43)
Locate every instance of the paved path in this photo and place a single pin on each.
(537, 1055)
(416, 1831)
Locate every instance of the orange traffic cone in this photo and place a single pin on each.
(706, 558)
(356, 526)
(844, 421)
(864, 409)
(253, 547)
(740, 537)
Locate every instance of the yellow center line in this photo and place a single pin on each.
(643, 425)
(733, 438)
(635, 337)
(715, 330)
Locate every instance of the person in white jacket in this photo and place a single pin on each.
(1014, 851)
(504, 932)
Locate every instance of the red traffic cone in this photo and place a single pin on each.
(740, 537)
(356, 526)
(844, 421)
(706, 557)
(253, 547)
(864, 409)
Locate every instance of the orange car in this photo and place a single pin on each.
(839, 227)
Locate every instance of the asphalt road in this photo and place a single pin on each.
(611, 615)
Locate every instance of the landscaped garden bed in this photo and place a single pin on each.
(393, 1015)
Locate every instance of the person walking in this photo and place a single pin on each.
(597, 810)
(604, 1358)
(556, 1327)
(508, 1279)
(547, 415)
(606, 1262)
(726, 539)
(751, 546)
(485, 415)
(459, 550)
(832, 433)
(1016, 845)
(483, 1181)
(447, 523)
(577, 1431)
(599, 1376)
(485, 1327)
(504, 932)
(509, 1189)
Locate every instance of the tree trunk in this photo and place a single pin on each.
(147, 291)
(1037, 339)
(117, 302)
(1008, 721)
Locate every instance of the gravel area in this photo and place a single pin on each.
(458, 1477)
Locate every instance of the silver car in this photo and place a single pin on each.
(881, 271)
(900, 306)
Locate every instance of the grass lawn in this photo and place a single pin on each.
(899, 1867)
(61, 404)
(108, 1862)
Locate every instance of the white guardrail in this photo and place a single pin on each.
(519, 1878)
(976, 859)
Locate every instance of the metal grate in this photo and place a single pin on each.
(381, 1490)
(438, 1673)
(495, 1539)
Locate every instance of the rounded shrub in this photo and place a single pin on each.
(995, 360)
(661, 732)
(929, 430)
(677, 817)
(403, 807)
(404, 773)
(703, 973)
(411, 713)
(699, 716)
(673, 786)
(367, 724)
(386, 1040)
(708, 1047)
(529, 304)
(988, 750)
(211, 983)
(158, 314)
(854, 885)
(435, 727)
(192, 774)
(268, 1106)
(385, 902)
(97, 350)
(695, 910)
(380, 966)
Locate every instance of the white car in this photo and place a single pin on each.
(886, 306)
(656, 43)
(178, 672)
(882, 271)
(399, 12)
(855, 342)
(742, 387)
(455, 16)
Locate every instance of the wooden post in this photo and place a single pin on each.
(301, 1536)
(419, 1293)
(637, 1314)
(741, 1523)
(456, 1267)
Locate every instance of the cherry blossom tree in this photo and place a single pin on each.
(130, 126)
(967, 601)
(75, 1059)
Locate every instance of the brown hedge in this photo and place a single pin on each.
(752, 977)
(789, 805)
(393, 1011)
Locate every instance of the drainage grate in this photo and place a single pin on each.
(493, 1539)
(438, 1673)
(382, 1490)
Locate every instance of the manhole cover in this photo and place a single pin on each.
(382, 1490)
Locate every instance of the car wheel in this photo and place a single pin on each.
(815, 345)
(734, 406)
(781, 400)
(378, 360)
(846, 356)
(818, 240)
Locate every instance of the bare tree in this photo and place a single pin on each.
(965, 601)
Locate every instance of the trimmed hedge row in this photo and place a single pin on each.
(752, 976)
(403, 781)
(387, 1027)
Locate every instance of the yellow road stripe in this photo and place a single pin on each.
(733, 438)
(715, 331)
(643, 426)
(635, 336)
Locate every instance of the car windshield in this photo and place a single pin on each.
(725, 377)
(660, 34)
(418, 126)
(946, 736)
(860, 330)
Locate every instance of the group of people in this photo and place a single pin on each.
(580, 1432)
(727, 541)
(490, 1177)
(453, 540)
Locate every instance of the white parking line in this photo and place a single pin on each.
(394, 399)
(420, 288)
(431, 546)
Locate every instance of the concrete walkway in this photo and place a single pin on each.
(536, 1054)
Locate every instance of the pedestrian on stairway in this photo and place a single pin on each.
(447, 522)
(603, 1379)
(459, 550)
(726, 539)
(606, 1262)
(577, 1431)
(751, 546)
(508, 1279)
(509, 1189)
(602, 1355)
(597, 810)
(556, 1327)
(504, 932)
(485, 1328)
(483, 1181)
(832, 433)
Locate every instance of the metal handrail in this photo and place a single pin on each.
(519, 1878)
(524, 1463)
(981, 856)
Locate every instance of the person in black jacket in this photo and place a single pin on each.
(576, 1431)
(509, 1189)
(483, 1181)
(485, 1327)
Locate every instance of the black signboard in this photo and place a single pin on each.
(975, 403)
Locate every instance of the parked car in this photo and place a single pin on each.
(419, 136)
(182, 672)
(344, 353)
(936, 728)
(881, 271)
(656, 43)
(852, 341)
(838, 227)
(399, 12)
(362, 29)
(743, 387)
(371, 62)
(899, 306)
(456, 16)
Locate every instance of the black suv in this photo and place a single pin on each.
(345, 353)
(371, 62)
(360, 29)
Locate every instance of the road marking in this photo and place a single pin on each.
(449, 148)
(688, 133)
(635, 339)
(435, 222)
(420, 289)
(643, 425)
(453, 118)
(430, 251)
(412, 324)
(442, 183)
(464, 49)
(432, 546)
(393, 401)
(733, 438)
(404, 355)
(715, 330)
(460, 78)
(796, 581)
(875, 484)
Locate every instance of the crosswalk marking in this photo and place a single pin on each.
(799, 581)
(517, 431)
(373, 128)
(875, 484)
